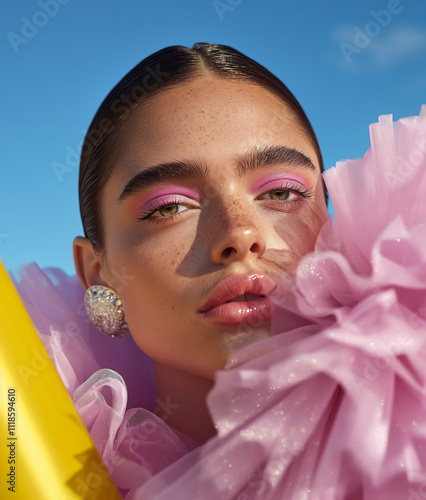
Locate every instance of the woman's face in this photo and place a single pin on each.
(216, 190)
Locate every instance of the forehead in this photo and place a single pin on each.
(211, 119)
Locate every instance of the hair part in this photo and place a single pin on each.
(164, 69)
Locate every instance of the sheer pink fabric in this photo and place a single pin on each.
(335, 410)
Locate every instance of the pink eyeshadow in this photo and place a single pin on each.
(263, 181)
(169, 191)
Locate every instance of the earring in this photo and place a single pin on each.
(103, 306)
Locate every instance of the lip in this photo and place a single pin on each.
(218, 308)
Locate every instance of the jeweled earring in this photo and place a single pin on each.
(103, 306)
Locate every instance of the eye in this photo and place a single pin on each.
(165, 209)
(287, 193)
(282, 195)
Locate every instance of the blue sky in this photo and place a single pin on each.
(346, 62)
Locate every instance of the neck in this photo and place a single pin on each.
(181, 402)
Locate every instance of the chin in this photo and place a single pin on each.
(247, 335)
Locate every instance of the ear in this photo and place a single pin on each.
(87, 262)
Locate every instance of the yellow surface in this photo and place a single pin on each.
(54, 455)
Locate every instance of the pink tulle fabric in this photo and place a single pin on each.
(335, 410)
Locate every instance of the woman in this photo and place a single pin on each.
(206, 183)
(200, 195)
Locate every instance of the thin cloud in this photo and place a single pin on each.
(399, 44)
(386, 50)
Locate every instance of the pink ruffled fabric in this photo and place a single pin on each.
(340, 413)
(111, 381)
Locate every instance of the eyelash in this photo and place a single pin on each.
(293, 187)
(175, 201)
(302, 191)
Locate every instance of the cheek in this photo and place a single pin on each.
(153, 269)
(152, 300)
(298, 235)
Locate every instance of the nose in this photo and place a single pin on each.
(236, 237)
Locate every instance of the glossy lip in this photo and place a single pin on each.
(217, 307)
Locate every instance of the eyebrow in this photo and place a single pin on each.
(273, 155)
(190, 170)
(176, 170)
